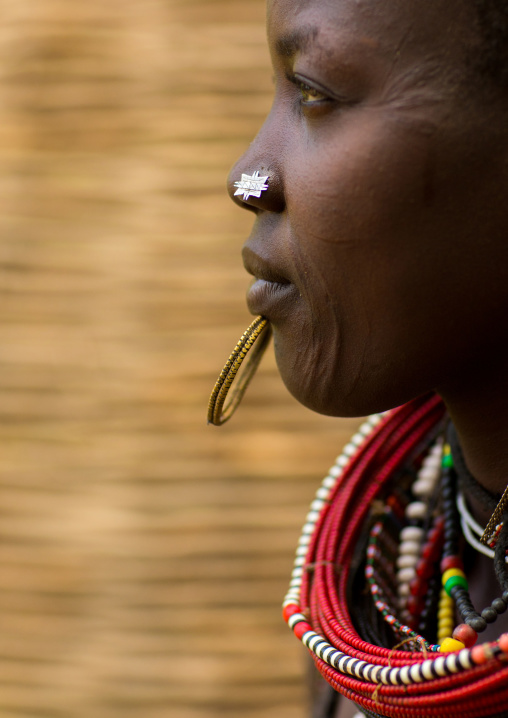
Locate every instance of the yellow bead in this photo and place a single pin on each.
(447, 612)
(446, 603)
(444, 632)
(446, 608)
(450, 644)
(449, 620)
(452, 572)
(446, 625)
(445, 599)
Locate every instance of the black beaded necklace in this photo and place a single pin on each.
(455, 472)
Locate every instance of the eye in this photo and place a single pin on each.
(309, 94)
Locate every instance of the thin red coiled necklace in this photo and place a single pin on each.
(383, 681)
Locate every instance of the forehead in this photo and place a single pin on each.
(402, 28)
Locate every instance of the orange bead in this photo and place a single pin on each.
(478, 655)
(451, 562)
(289, 611)
(301, 628)
(466, 634)
(503, 642)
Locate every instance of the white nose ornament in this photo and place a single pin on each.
(251, 185)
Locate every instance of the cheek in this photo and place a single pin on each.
(345, 248)
(362, 178)
(308, 341)
(359, 214)
(321, 349)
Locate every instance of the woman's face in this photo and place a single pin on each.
(380, 247)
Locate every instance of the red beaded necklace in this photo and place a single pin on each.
(421, 680)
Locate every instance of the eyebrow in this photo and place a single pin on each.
(296, 41)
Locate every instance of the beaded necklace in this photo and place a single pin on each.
(384, 487)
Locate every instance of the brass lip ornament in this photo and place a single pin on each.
(258, 334)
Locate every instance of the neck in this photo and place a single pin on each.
(480, 416)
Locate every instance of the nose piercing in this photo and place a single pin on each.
(251, 185)
(258, 334)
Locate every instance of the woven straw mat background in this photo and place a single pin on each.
(143, 555)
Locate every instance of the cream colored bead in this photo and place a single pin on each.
(423, 488)
(403, 590)
(406, 575)
(406, 561)
(416, 510)
(410, 548)
(412, 533)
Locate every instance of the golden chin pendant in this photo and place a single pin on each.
(254, 340)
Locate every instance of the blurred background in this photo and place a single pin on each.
(143, 554)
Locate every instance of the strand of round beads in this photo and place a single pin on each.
(428, 615)
(378, 595)
(454, 580)
(412, 536)
(445, 617)
(423, 574)
(425, 571)
(320, 504)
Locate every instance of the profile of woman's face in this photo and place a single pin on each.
(380, 248)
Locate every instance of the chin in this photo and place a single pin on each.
(325, 387)
(316, 385)
(330, 401)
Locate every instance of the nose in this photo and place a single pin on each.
(255, 183)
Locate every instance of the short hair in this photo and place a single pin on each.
(492, 60)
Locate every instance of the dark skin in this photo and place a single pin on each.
(380, 249)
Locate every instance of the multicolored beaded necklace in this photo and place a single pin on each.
(378, 564)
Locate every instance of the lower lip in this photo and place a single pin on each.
(269, 298)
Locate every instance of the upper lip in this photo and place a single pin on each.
(261, 268)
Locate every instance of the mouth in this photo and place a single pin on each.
(270, 291)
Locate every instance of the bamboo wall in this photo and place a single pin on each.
(143, 555)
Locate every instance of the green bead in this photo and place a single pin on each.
(447, 461)
(455, 581)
